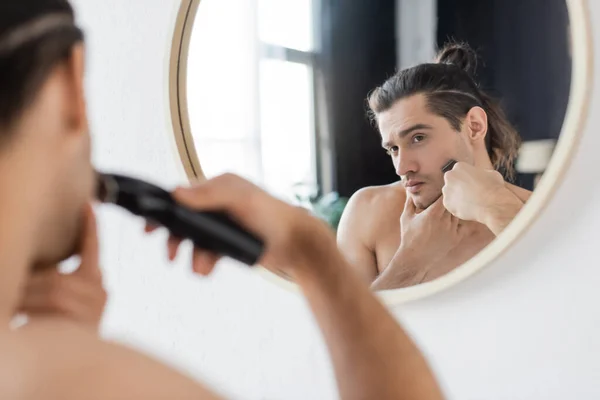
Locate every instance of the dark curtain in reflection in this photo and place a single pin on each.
(358, 53)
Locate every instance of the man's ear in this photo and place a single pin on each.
(476, 123)
(77, 112)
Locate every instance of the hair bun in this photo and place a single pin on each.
(459, 54)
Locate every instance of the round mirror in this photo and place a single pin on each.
(428, 134)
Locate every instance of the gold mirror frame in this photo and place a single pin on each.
(576, 115)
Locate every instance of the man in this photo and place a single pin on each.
(47, 180)
(429, 223)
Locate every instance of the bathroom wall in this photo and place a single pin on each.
(526, 327)
(416, 27)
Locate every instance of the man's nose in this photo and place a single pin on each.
(405, 164)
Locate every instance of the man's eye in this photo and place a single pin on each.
(418, 138)
(392, 150)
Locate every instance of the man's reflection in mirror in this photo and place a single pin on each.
(430, 222)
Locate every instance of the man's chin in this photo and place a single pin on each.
(424, 202)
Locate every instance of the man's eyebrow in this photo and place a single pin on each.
(405, 132)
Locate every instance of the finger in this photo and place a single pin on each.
(36, 294)
(173, 244)
(89, 248)
(223, 193)
(215, 194)
(437, 208)
(77, 311)
(38, 310)
(45, 277)
(448, 175)
(445, 203)
(63, 294)
(203, 262)
(149, 228)
(42, 295)
(409, 207)
(51, 286)
(455, 223)
(454, 177)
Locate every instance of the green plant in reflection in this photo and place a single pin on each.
(329, 206)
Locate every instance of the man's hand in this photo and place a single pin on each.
(474, 194)
(431, 233)
(295, 242)
(78, 296)
(426, 239)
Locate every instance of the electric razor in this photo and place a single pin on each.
(212, 231)
(448, 166)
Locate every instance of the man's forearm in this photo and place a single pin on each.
(372, 356)
(500, 214)
(405, 269)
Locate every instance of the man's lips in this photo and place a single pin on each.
(413, 186)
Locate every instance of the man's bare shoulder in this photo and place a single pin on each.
(369, 212)
(60, 360)
(379, 199)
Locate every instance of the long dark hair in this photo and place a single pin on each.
(451, 91)
(25, 66)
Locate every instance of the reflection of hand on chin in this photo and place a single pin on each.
(420, 205)
(422, 201)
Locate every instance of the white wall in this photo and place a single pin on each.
(527, 327)
(416, 30)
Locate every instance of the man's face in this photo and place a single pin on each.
(420, 143)
(58, 139)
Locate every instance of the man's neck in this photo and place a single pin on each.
(483, 161)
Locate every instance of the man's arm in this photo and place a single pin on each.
(351, 230)
(507, 204)
(372, 355)
(405, 269)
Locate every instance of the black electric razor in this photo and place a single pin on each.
(448, 166)
(212, 231)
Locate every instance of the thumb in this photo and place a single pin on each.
(89, 245)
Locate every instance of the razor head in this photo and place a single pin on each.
(101, 188)
(449, 165)
(133, 194)
(107, 188)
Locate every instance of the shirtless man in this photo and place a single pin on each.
(47, 182)
(429, 223)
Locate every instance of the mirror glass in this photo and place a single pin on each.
(346, 108)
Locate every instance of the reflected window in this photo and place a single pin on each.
(250, 91)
